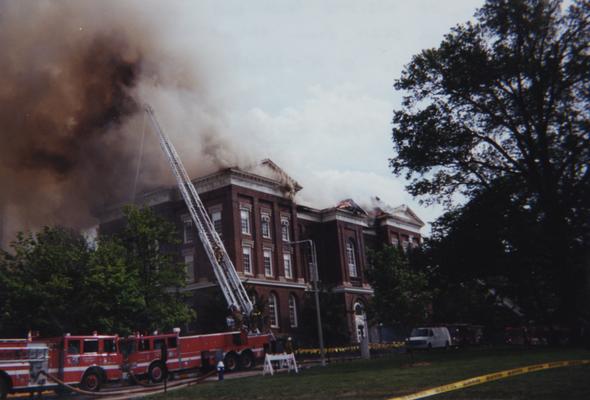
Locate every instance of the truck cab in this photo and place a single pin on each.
(85, 360)
(150, 356)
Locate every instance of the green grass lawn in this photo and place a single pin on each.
(397, 375)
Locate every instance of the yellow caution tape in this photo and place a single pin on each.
(478, 380)
(350, 349)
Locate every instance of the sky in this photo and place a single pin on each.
(309, 84)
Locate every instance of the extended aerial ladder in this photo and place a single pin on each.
(231, 286)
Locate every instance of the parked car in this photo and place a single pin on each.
(429, 338)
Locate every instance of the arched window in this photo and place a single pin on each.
(273, 310)
(293, 311)
(351, 258)
(285, 229)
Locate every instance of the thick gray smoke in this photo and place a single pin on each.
(73, 77)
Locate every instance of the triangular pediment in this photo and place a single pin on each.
(401, 213)
(406, 214)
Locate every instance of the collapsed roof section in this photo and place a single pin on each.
(351, 206)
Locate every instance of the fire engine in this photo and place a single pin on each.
(156, 355)
(85, 361)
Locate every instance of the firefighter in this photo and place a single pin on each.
(218, 254)
(220, 370)
(289, 346)
(237, 316)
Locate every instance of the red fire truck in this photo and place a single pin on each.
(85, 361)
(154, 356)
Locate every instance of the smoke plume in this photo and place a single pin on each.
(73, 78)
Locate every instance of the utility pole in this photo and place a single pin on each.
(316, 291)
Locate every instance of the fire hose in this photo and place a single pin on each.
(145, 389)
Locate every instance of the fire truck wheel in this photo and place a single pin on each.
(157, 372)
(246, 360)
(231, 362)
(91, 381)
(3, 388)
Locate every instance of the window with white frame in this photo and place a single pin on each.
(216, 219)
(273, 310)
(265, 225)
(292, 311)
(247, 259)
(267, 258)
(288, 265)
(351, 258)
(394, 242)
(245, 221)
(188, 231)
(189, 267)
(285, 229)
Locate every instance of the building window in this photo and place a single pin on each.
(189, 268)
(288, 265)
(247, 259)
(273, 310)
(267, 256)
(394, 242)
(188, 231)
(292, 311)
(216, 219)
(285, 230)
(245, 221)
(265, 227)
(351, 258)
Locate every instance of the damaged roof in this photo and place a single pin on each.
(351, 206)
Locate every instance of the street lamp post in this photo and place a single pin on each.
(315, 288)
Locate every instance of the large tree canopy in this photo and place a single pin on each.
(503, 105)
(506, 96)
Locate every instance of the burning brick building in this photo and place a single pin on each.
(258, 220)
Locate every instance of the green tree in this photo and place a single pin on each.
(503, 103)
(149, 242)
(332, 308)
(401, 293)
(112, 291)
(42, 282)
(53, 281)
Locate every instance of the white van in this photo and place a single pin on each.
(429, 338)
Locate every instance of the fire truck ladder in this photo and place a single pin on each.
(225, 272)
